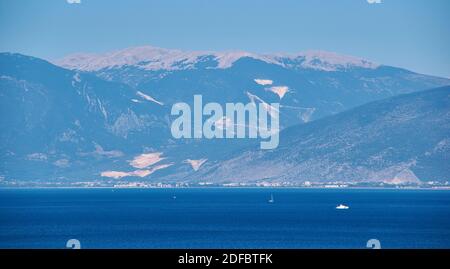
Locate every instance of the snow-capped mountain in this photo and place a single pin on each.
(308, 85)
(154, 58)
(107, 117)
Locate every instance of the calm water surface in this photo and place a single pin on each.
(223, 218)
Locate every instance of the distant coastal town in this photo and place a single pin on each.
(204, 184)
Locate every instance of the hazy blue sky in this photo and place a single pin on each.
(414, 34)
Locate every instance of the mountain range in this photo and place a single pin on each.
(400, 140)
(106, 118)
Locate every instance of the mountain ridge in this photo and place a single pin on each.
(154, 58)
(357, 145)
(64, 125)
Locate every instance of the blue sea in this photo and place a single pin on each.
(224, 218)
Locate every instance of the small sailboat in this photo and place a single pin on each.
(174, 197)
(342, 206)
(271, 200)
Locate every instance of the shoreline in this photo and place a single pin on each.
(240, 187)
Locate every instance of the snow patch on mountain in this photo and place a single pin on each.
(279, 90)
(146, 159)
(149, 98)
(195, 163)
(263, 82)
(147, 57)
(322, 60)
(76, 77)
(273, 112)
(154, 58)
(136, 173)
(114, 174)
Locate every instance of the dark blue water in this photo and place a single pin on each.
(223, 218)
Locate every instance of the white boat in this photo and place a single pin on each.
(341, 206)
(271, 200)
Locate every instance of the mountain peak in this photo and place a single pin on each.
(155, 58)
(325, 60)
